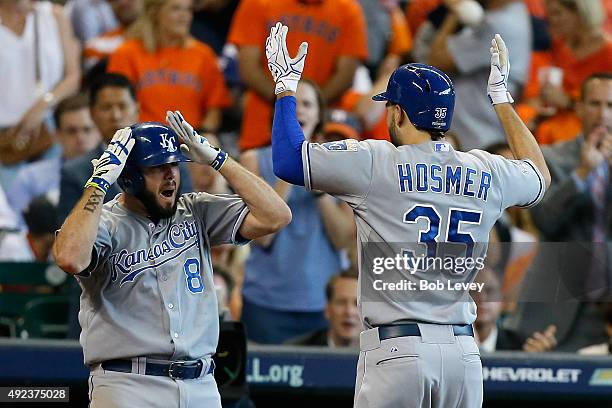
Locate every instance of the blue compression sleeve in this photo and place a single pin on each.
(287, 140)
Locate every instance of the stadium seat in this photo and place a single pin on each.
(21, 283)
(45, 317)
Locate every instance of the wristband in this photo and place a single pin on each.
(219, 160)
(99, 183)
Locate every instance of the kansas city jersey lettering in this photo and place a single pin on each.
(457, 180)
(181, 238)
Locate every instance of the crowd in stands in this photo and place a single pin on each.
(73, 72)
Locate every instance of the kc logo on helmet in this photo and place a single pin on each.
(440, 113)
(168, 143)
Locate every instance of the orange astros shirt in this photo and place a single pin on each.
(565, 125)
(332, 28)
(186, 79)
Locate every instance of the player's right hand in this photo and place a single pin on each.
(110, 164)
(497, 88)
(285, 70)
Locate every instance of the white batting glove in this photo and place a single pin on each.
(285, 70)
(194, 146)
(497, 88)
(109, 165)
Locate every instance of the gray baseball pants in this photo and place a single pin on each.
(434, 370)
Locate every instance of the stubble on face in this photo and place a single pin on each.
(154, 209)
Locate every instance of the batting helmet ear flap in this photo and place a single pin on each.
(131, 180)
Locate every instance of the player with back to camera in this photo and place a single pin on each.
(413, 354)
(148, 311)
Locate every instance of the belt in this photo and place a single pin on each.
(401, 330)
(182, 370)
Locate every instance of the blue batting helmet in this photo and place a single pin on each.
(425, 93)
(155, 144)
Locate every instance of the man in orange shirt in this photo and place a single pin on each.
(335, 28)
(170, 69)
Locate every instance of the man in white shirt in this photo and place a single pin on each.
(341, 313)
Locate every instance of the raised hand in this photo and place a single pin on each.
(109, 165)
(195, 146)
(285, 70)
(497, 87)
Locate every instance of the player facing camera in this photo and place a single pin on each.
(151, 174)
(128, 266)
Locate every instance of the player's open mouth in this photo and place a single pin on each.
(167, 192)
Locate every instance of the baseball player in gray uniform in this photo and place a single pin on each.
(419, 352)
(148, 311)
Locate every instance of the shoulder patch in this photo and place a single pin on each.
(441, 147)
(348, 145)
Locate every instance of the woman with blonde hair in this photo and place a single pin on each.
(580, 47)
(170, 69)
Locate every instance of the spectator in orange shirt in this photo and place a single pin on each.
(417, 12)
(171, 69)
(608, 23)
(100, 47)
(579, 48)
(336, 33)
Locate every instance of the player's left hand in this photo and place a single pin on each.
(285, 70)
(195, 146)
(497, 88)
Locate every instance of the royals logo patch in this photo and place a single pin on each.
(348, 145)
(168, 142)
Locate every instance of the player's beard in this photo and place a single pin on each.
(394, 134)
(156, 211)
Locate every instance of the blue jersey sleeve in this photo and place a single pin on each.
(287, 140)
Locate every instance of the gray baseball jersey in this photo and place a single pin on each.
(426, 193)
(149, 289)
